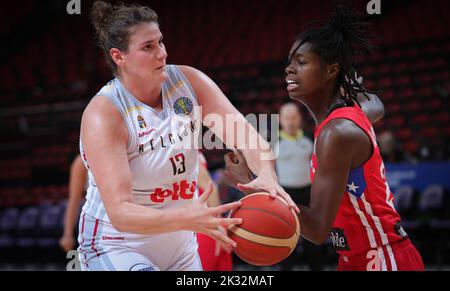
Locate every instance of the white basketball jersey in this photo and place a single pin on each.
(164, 172)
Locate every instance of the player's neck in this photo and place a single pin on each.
(320, 105)
(144, 91)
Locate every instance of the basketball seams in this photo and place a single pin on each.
(264, 240)
(267, 212)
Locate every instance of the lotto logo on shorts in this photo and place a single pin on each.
(183, 190)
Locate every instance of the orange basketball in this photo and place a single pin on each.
(269, 231)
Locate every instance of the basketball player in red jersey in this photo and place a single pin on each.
(214, 255)
(350, 199)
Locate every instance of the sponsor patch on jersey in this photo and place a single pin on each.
(339, 239)
(183, 106)
(141, 122)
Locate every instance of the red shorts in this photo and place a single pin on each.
(399, 256)
(211, 262)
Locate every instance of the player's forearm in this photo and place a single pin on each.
(259, 156)
(214, 199)
(312, 226)
(70, 218)
(134, 218)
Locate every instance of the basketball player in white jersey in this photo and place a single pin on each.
(142, 208)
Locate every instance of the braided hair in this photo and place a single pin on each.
(338, 41)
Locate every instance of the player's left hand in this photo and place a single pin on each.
(268, 184)
(221, 246)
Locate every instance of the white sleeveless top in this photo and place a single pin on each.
(161, 155)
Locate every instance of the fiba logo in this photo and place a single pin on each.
(373, 7)
(183, 106)
(74, 7)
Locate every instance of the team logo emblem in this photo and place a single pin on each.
(141, 122)
(183, 106)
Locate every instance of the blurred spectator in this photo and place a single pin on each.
(390, 150)
(293, 166)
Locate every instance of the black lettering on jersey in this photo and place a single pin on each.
(192, 126)
(339, 239)
(151, 145)
(141, 148)
(172, 141)
(399, 230)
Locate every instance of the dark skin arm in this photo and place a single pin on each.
(340, 147)
(373, 108)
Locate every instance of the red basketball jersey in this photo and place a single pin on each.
(207, 245)
(366, 218)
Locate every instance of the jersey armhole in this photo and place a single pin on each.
(371, 143)
(368, 136)
(131, 137)
(180, 72)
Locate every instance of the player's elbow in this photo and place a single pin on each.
(117, 223)
(379, 110)
(117, 219)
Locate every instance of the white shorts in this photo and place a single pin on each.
(103, 248)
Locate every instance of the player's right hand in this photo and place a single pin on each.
(207, 220)
(236, 169)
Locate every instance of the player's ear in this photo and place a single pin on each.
(332, 71)
(116, 55)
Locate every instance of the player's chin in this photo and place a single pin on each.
(294, 95)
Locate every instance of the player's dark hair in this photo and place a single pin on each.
(114, 24)
(338, 41)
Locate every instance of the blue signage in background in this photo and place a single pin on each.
(419, 176)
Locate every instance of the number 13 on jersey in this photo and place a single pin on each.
(178, 165)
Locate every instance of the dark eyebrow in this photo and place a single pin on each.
(151, 41)
(147, 42)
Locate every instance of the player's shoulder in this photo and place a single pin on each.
(194, 75)
(341, 132)
(340, 128)
(188, 69)
(100, 111)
